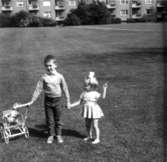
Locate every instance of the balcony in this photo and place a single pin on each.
(111, 5)
(7, 8)
(33, 7)
(136, 4)
(60, 18)
(159, 4)
(59, 5)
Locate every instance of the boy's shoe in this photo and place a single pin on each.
(50, 139)
(96, 141)
(60, 139)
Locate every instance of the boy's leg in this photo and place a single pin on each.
(50, 124)
(57, 118)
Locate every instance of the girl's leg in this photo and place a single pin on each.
(97, 131)
(91, 129)
(88, 124)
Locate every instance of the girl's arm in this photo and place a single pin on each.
(75, 104)
(105, 86)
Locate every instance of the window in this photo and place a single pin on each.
(124, 1)
(46, 3)
(47, 14)
(149, 11)
(148, 1)
(124, 12)
(20, 3)
(72, 3)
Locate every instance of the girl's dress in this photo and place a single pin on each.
(90, 107)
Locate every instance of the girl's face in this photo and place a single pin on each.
(88, 87)
(51, 66)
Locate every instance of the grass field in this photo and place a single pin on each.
(128, 56)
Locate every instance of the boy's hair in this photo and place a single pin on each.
(49, 58)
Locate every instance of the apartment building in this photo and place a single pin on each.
(134, 9)
(58, 9)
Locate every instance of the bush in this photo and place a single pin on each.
(115, 20)
(130, 20)
(90, 14)
(35, 21)
(20, 19)
(24, 19)
(48, 22)
(5, 20)
(72, 19)
(149, 18)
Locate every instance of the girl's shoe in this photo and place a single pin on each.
(50, 139)
(87, 138)
(96, 141)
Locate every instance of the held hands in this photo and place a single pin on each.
(68, 105)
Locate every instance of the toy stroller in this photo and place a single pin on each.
(14, 124)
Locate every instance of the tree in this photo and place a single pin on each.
(89, 14)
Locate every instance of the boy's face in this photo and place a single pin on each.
(51, 66)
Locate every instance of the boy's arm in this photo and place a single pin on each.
(66, 91)
(35, 95)
(37, 91)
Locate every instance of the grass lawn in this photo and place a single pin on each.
(130, 60)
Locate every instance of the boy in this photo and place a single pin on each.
(53, 84)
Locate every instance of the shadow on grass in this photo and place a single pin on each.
(74, 133)
(41, 131)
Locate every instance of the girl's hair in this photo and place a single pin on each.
(93, 86)
(91, 81)
(49, 58)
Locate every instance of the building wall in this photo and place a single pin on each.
(58, 9)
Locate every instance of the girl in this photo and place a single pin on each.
(91, 110)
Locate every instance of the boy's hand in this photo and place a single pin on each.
(15, 105)
(68, 105)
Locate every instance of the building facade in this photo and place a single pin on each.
(58, 9)
(134, 9)
(55, 9)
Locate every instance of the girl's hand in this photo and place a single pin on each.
(105, 85)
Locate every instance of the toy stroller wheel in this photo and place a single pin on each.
(6, 140)
(5, 136)
(1, 132)
(26, 132)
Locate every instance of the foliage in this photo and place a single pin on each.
(72, 19)
(24, 19)
(5, 20)
(20, 19)
(90, 14)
